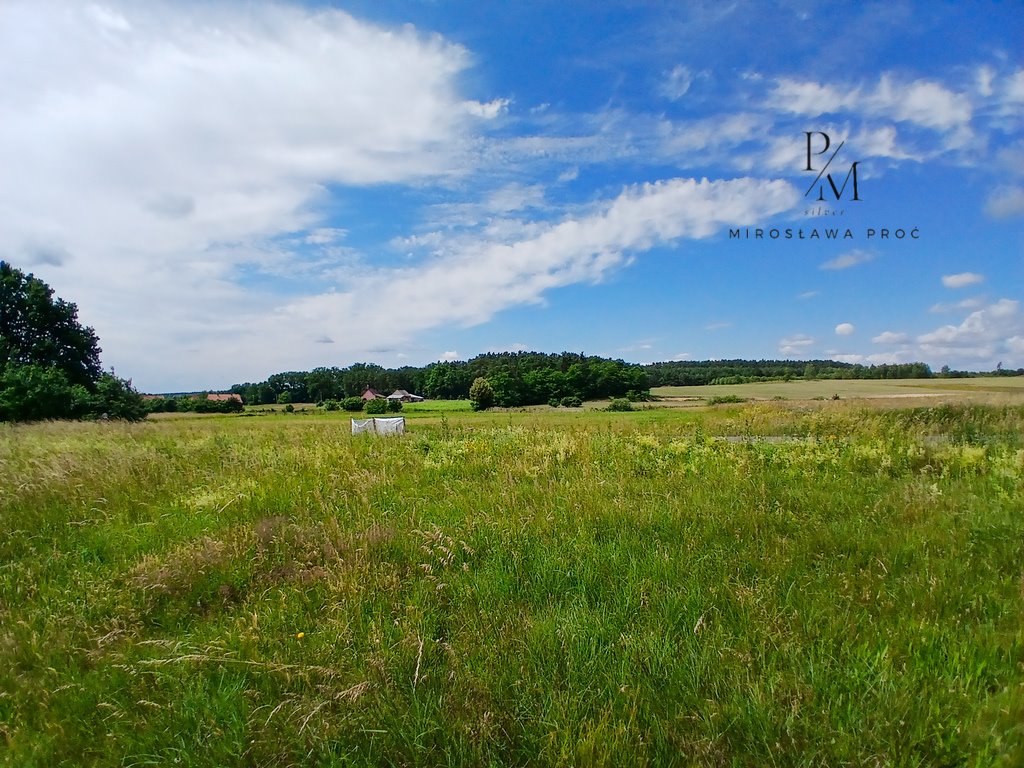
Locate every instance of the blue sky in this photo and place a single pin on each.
(230, 189)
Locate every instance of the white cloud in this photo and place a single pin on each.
(848, 259)
(984, 76)
(1014, 87)
(677, 83)
(974, 302)
(449, 356)
(488, 111)
(808, 294)
(890, 337)
(984, 335)
(1005, 201)
(162, 147)
(478, 278)
(325, 235)
(962, 279)
(810, 98)
(921, 102)
(569, 174)
(845, 329)
(794, 346)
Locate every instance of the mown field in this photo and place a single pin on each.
(756, 585)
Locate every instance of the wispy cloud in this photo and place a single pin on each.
(972, 303)
(962, 279)
(848, 259)
(794, 346)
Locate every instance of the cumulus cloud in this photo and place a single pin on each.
(985, 334)
(962, 279)
(168, 144)
(848, 259)
(890, 337)
(845, 329)
(449, 356)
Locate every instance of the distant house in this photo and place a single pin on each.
(225, 397)
(405, 397)
(371, 394)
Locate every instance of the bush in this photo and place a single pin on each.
(620, 404)
(284, 398)
(332, 405)
(554, 402)
(289, 408)
(355, 404)
(377, 406)
(571, 401)
(394, 406)
(481, 394)
(722, 399)
(117, 399)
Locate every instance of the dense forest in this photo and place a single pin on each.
(517, 378)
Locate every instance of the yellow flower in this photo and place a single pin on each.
(300, 635)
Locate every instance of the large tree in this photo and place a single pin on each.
(49, 362)
(39, 329)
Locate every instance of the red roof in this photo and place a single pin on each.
(229, 396)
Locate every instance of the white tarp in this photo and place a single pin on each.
(362, 425)
(391, 426)
(379, 426)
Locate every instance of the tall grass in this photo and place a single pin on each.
(516, 589)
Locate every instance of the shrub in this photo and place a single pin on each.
(289, 408)
(481, 394)
(333, 405)
(722, 399)
(355, 404)
(377, 406)
(394, 406)
(620, 404)
(284, 397)
(553, 402)
(571, 401)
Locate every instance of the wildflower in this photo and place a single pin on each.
(299, 635)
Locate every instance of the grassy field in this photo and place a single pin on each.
(1003, 388)
(542, 588)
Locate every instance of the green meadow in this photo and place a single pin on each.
(746, 585)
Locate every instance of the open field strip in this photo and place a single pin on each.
(1009, 389)
(541, 588)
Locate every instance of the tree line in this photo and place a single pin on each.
(516, 379)
(684, 373)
